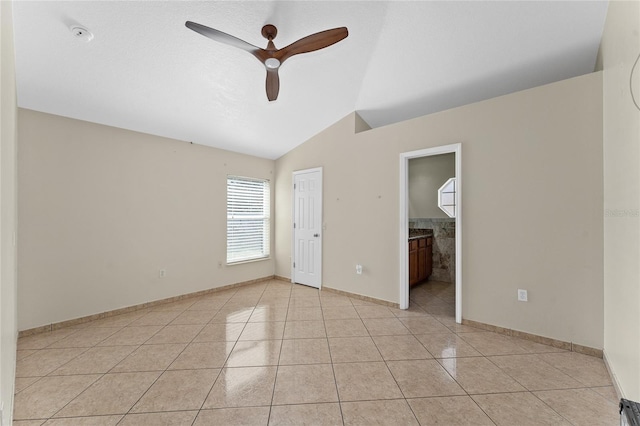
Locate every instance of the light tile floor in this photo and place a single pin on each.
(280, 354)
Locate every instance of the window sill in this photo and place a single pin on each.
(242, 262)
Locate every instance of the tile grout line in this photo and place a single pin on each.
(162, 371)
(491, 358)
(333, 370)
(49, 375)
(550, 407)
(468, 395)
(204, 401)
(166, 369)
(73, 399)
(72, 359)
(481, 409)
(441, 366)
(275, 379)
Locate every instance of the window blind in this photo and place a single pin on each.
(248, 219)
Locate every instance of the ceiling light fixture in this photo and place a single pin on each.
(81, 33)
(272, 63)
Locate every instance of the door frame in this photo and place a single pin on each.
(404, 220)
(293, 218)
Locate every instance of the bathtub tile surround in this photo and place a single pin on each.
(420, 232)
(444, 246)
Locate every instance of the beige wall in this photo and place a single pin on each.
(102, 210)
(540, 148)
(8, 214)
(619, 49)
(426, 176)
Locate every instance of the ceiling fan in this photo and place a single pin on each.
(271, 57)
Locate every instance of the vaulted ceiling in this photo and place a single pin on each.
(145, 71)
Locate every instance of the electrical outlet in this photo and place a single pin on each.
(522, 295)
(359, 269)
(162, 273)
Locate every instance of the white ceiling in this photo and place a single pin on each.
(145, 71)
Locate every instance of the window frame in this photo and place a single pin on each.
(257, 216)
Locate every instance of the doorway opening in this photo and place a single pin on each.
(456, 273)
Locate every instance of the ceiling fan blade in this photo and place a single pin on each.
(313, 42)
(221, 37)
(273, 84)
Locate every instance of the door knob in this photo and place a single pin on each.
(316, 235)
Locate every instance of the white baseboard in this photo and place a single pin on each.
(612, 374)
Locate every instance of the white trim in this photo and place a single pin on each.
(404, 220)
(614, 378)
(240, 190)
(293, 215)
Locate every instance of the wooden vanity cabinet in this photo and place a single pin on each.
(420, 259)
(413, 262)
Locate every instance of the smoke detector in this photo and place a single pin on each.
(81, 33)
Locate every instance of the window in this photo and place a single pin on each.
(248, 211)
(447, 197)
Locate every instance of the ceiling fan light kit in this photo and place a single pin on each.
(272, 63)
(271, 57)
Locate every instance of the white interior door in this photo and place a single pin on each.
(307, 227)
